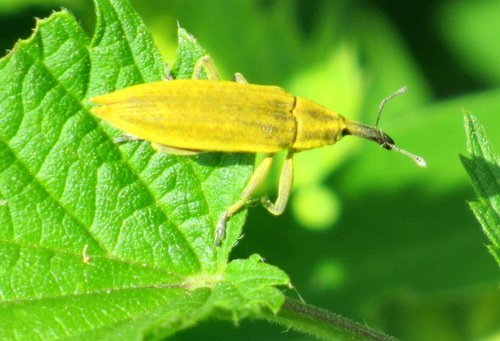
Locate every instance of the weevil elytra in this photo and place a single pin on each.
(186, 117)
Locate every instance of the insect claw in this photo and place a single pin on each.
(266, 202)
(220, 229)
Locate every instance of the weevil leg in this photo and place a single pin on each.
(238, 78)
(126, 137)
(157, 146)
(174, 151)
(257, 178)
(168, 73)
(206, 64)
(284, 189)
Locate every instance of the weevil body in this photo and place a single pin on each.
(186, 117)
(222, 116)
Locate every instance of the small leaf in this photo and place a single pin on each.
(99, 240)
(484, 171)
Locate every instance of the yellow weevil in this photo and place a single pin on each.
(186, 117)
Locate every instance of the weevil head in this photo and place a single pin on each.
(381, 138)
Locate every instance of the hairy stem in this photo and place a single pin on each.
(321, 323)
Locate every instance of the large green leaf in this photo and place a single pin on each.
(105, 240)
(484, 171)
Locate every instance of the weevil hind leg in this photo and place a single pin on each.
(126, 137)
(206, 64)
(157, 146)
(284, 189)
(257, 178)
(174, 151)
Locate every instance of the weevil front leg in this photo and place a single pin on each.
(257, 178)
(284, 189)
(168, 73)
(206, 64)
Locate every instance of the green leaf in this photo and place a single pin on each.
(484, 171)
(99, 240)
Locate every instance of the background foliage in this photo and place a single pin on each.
(388, 243)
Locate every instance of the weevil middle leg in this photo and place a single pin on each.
(258, 177)
(284, 189)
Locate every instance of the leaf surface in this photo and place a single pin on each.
(107, 240)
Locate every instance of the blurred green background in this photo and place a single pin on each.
(367, 234)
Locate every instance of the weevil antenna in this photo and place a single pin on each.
(399, 92)
(418, 159)
(390, 144)
(378, 136)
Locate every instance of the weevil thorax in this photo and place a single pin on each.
(317, 126)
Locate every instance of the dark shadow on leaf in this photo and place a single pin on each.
(224, 159)
(484, 175)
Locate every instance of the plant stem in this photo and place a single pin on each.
(321, 323)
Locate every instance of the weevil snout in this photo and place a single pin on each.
(373, 134)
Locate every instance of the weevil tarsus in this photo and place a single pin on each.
(284, 188)
(220, 228)
(238, 78)
(85, 255)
